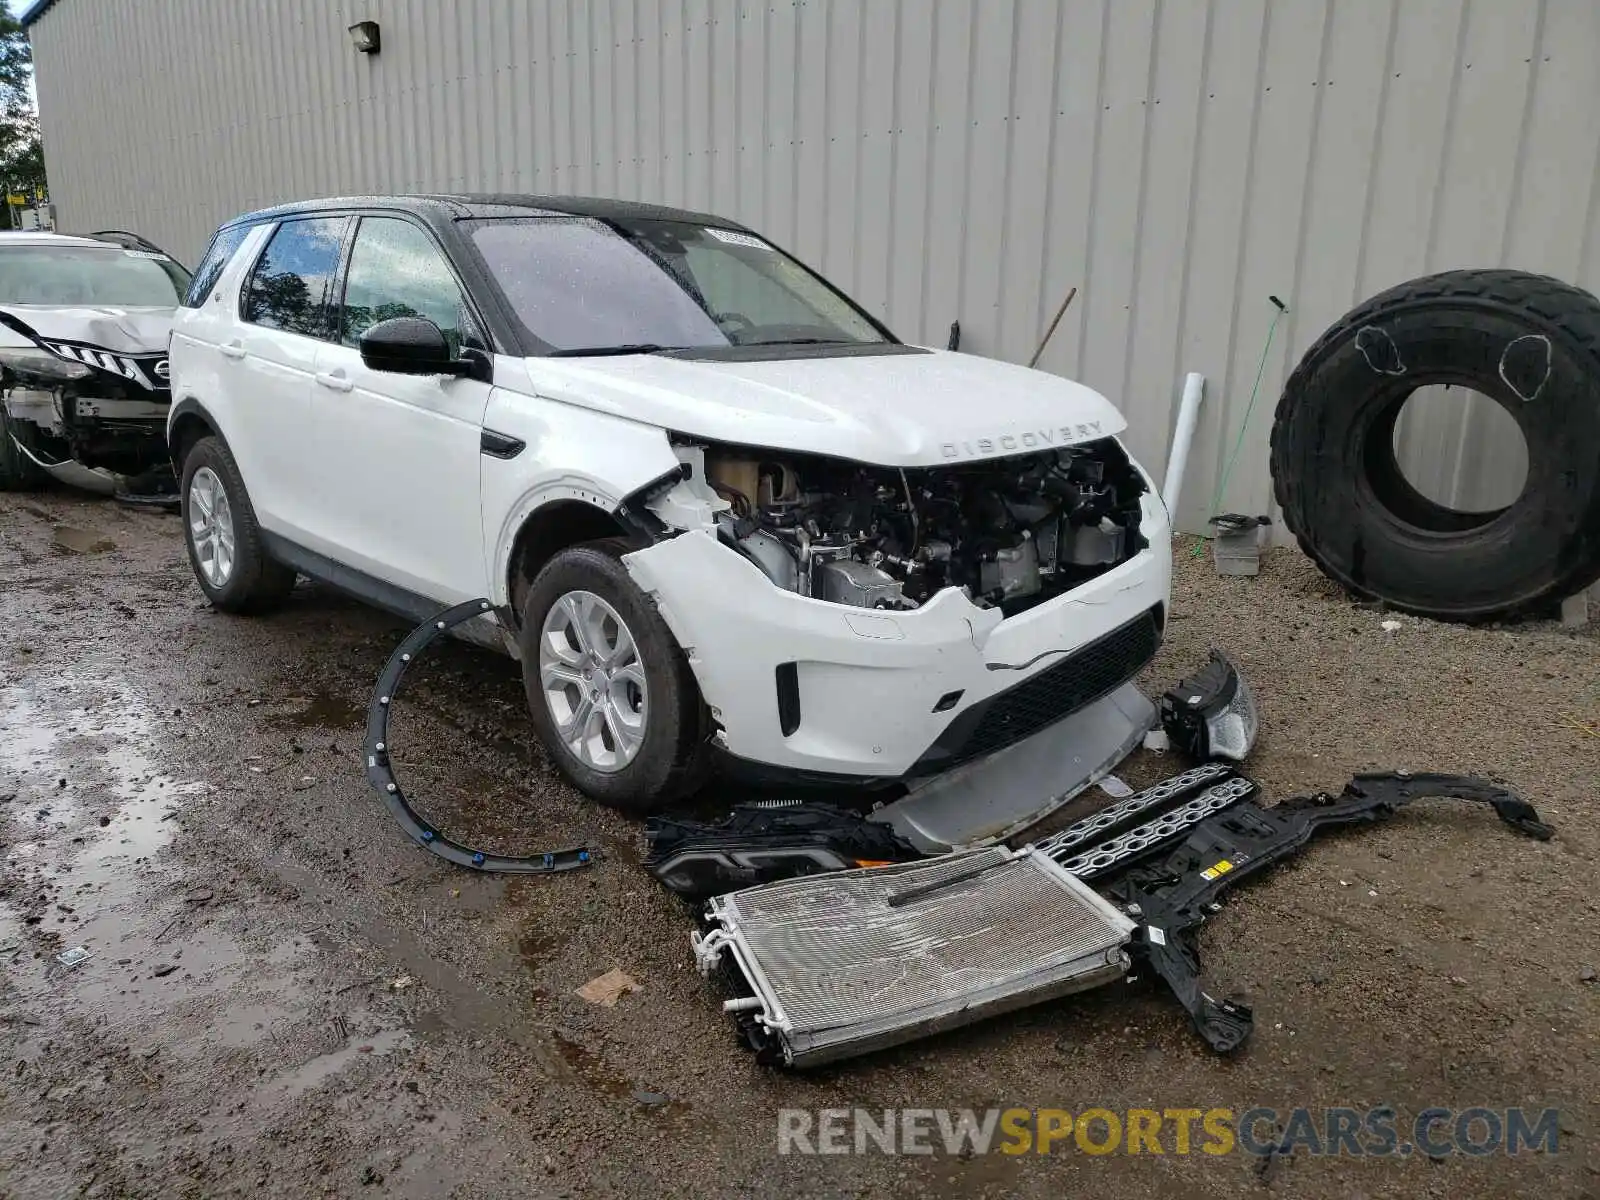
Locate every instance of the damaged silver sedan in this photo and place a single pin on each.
(84, 327)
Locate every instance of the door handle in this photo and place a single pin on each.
(336, 380)
(232, 350)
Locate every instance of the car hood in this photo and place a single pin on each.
(896, 410)
(136, 331)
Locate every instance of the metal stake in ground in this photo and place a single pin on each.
(1044, 341)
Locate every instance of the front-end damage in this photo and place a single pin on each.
(935, 627)
(831, 966)
(86, 397)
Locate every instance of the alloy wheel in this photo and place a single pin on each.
(593, 680)
(211, 527)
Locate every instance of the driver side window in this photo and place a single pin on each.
(397, 271)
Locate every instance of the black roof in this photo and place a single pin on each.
(465, 205)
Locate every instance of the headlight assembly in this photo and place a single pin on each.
(40, 364)
(1212, 714)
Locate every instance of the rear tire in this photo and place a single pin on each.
(222, 536)
(18, 473)
(1529, 342)
(636, 732)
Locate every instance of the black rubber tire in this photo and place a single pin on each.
(674, 758)
(17, 472)
(1529, 342)
(259, 583)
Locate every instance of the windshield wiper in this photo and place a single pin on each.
(613, 351)
(803, 341)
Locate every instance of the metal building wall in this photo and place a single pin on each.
(1177, 160)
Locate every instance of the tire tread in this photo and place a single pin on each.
(1566, 312)
(690, 763)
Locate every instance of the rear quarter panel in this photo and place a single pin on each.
(193, 361)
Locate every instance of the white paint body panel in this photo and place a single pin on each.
(574, 453)
(395, 460)
(893, 410)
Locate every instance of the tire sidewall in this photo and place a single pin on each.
(17, 473)
(1340, 394)
(237, 591)
(640, 786)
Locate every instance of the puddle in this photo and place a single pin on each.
(245, 1025)
(324, 1067)
(586, 1065)
(322, 710)
(96, 797)
(25, 740)
(538, 947)
(92, 814)
(82, 541)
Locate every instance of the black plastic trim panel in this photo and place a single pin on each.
(1072, 683)
(788, 681)
(498, 445)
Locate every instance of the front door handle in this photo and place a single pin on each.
(336, 380)
(233, 350)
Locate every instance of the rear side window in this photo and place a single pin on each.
(211, 266)
(292, 280)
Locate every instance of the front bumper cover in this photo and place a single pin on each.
(809, 686)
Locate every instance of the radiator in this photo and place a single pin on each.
(851, 961)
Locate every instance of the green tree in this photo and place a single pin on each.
(21, 152)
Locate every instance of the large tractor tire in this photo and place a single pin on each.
(1530, 343)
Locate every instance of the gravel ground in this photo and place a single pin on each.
(286, 998)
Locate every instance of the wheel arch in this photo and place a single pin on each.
(554, 526)
(188, 422)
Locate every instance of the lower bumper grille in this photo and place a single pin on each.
(1045, 698)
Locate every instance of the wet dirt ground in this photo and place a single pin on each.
(284, 997)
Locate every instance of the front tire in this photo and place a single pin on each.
(222, 536)
(18, 473)
(610, 692)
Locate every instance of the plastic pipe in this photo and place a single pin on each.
(1194, 388)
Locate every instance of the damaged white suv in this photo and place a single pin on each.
(721, 513)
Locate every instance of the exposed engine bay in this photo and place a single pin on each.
(1012, 532)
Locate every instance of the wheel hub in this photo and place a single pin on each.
(593, 680)
(211, 527)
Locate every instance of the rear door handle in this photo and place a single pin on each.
(336, 380)
(233, 350)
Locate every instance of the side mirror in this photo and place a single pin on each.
(409, 346)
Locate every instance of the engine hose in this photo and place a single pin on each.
(380, 774)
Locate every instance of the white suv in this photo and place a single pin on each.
(720, 511)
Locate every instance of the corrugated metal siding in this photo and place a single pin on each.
(1177, 160)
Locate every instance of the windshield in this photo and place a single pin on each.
(576, 284)
(62, 276)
